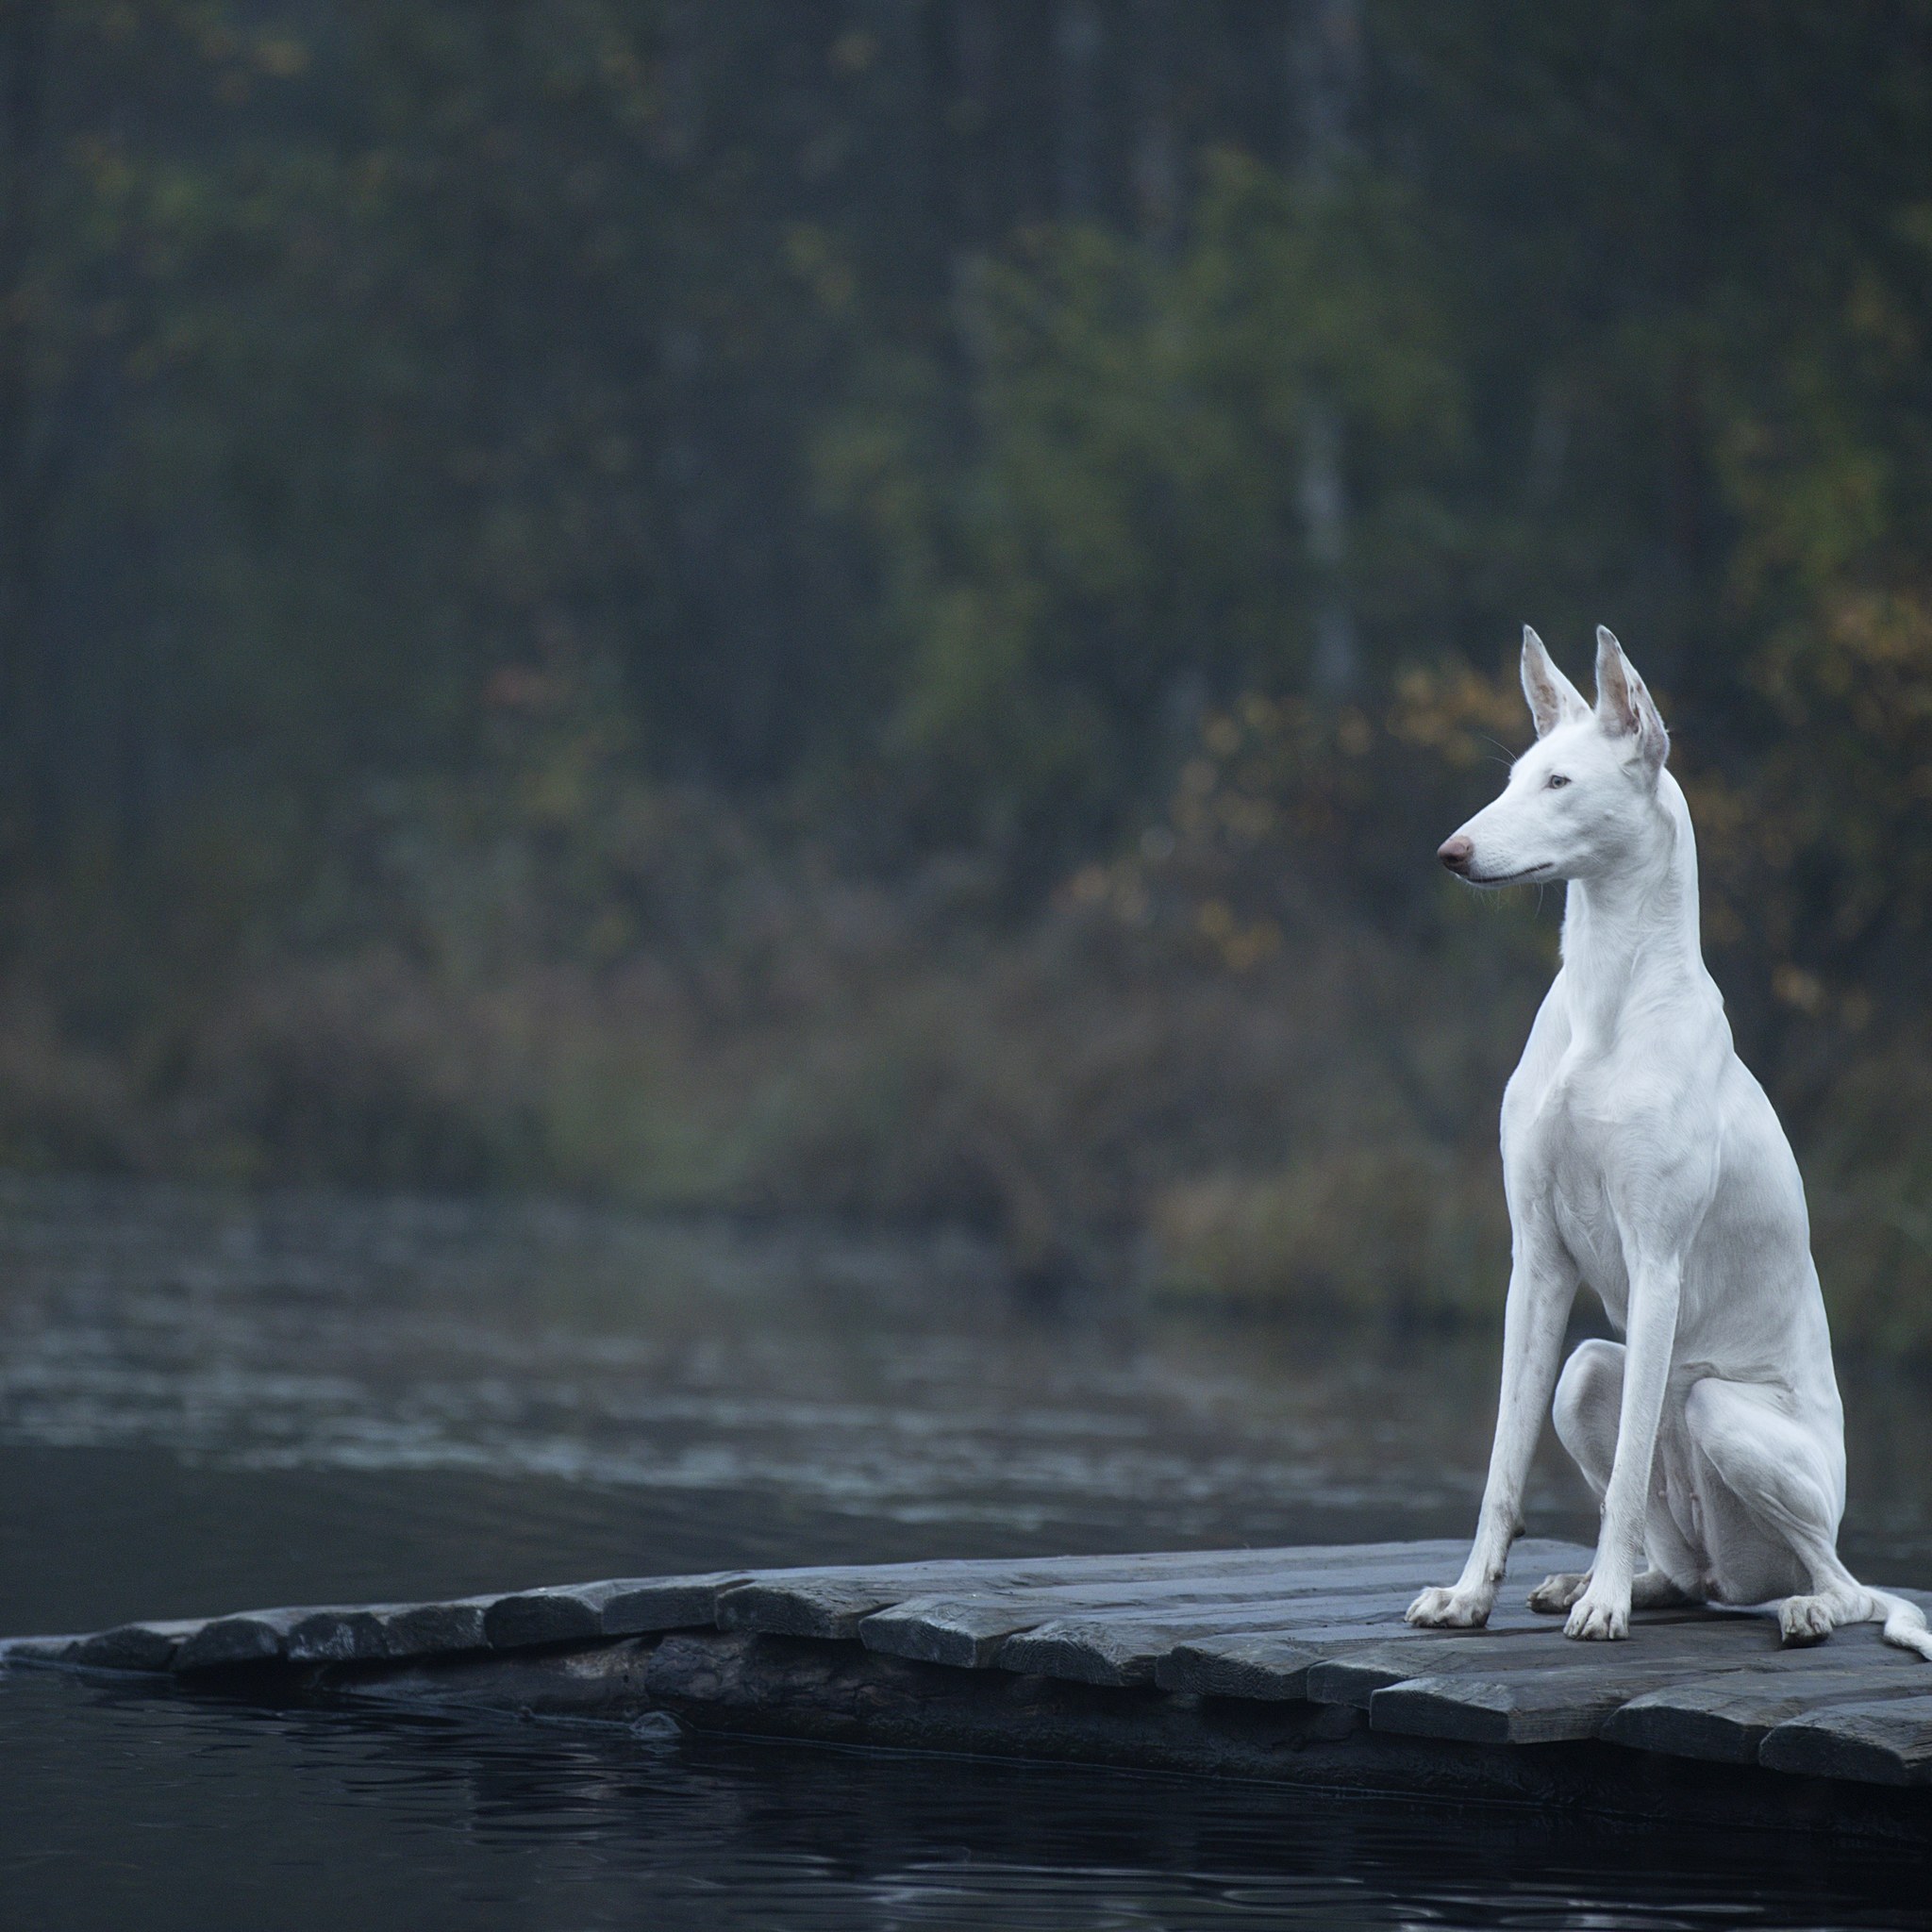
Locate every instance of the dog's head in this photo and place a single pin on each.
(1581, 801)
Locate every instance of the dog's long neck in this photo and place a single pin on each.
(1631, 936)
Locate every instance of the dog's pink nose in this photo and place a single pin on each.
(1455, 854)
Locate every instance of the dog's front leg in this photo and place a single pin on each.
(1603, 1609)
(1542, 1285)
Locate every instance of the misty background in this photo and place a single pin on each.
(875, 607)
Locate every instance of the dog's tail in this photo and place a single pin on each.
(1904, 1621)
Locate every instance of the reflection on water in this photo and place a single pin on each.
(314, 1820)
(309, 1822)
(205, 1405)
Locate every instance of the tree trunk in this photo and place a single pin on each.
(1157, 162)
(1077, 33)
(966, 87)
(24, 35)
(1324, 53)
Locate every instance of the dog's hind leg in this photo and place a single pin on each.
(1770, 1508)
(1589, 1397)
(1553, 1595)
(1650, 1590)
(1838, 1597)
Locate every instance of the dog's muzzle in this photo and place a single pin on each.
(1457, 854)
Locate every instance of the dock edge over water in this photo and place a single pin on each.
(1291, 1665)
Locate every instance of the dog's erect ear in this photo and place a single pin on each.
(1553, 699)
(1624, 707)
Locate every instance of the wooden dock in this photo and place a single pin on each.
(1292, 1665)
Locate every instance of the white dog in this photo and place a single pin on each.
(1640, 1156)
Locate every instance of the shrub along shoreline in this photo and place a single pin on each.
(1190, 1072)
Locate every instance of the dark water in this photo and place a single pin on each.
(205, 1405)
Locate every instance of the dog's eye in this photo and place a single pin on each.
(1555, 782)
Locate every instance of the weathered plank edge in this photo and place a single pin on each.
(1442, 1687)
(750, 1685)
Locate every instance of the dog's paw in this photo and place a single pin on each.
(1554, 1594)
(1451, 1609)
(1598, 1619)
(1804, 1619)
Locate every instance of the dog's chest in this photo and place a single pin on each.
(1562, 1150)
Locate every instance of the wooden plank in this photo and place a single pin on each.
(1278, 1666)
(1124, 1650)
(1310, 1641)
(1726, 1719)
(647, 1604)
(1879, 1741)
(970, 1629)
(1255, 1666)
(1525, 1708)
(620, 1606)
(338, 1635)
(358, 1633)
(435, 1629)
(148, 1646)
(967, 1630)
(369, 1633)
(351, 1633)
(41, 1650)
(1129, 1648)
(1531, 1700)
(1273, 1665)
(820, 1602)
(1536, 1706)
(1698, 1639)
(832, 1603)
(842, 1693)
(249, 1636)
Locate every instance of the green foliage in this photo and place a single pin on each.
(1123, 539)
(728, 603)
(1399, 1230)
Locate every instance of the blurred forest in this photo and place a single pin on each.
(879, 606)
